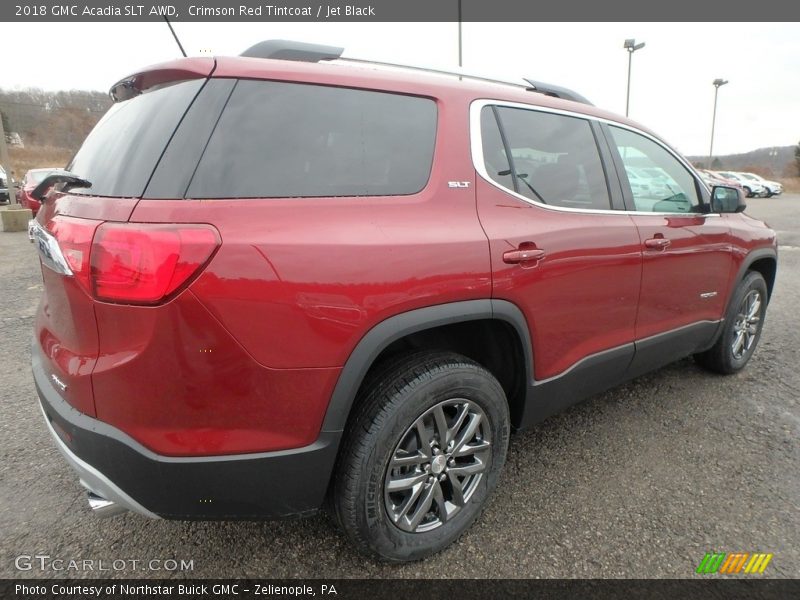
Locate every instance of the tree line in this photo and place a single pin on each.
(59, 119)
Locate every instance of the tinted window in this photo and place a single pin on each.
(122, 150)
(294, 140)
(659, 182)
(554, 158)
(179, 161)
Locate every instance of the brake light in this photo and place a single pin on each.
(74, 237)
(145, 263)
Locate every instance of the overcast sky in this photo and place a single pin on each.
(671, 90)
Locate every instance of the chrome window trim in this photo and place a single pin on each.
(476, 147)
(49, 250)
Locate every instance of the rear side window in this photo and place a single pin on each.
(120, 153)
(554, 158)
(280, 140)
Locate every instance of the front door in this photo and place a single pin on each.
(686, 252)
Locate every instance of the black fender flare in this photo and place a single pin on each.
(744, 267)
(747, 262)
(398, 326)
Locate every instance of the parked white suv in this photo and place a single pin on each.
(751, 188)
(773, 187)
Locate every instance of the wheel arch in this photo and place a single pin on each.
(767, 265)
(393, 329)
(762, 260)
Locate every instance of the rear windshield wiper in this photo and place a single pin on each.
(69, 181)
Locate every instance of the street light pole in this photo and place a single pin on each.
(631, 46)
(718, 83)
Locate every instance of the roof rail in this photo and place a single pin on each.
(301, 51)
(556, 91)
(548, 89)
(289, 50)
(431, 70)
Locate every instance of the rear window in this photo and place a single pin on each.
(280, 140)
(120, 153)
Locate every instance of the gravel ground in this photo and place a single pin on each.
(641, 481)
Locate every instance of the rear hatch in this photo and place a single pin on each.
(82, 243)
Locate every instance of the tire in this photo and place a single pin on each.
(404, 393)
(732, 351)
(748, 192)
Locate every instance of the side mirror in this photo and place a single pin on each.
(726, 199)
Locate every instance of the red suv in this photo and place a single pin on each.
(269, 283)
(29, 183)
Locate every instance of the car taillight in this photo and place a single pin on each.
(74, 237)
(144, 263)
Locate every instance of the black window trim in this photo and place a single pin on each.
(476, 146)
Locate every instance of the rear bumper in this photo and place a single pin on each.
(114, 466)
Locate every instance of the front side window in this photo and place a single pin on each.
(658, 181)
(554, 159)
(288, 140)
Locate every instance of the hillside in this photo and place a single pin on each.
(768, 162)
(51, 125)
(60, 119)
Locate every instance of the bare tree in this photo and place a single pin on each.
(797, 157)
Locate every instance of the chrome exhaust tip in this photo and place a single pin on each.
(104, 508)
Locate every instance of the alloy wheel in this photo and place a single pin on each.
(437, 465)
(745, 328)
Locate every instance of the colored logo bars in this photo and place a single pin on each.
(734, 562)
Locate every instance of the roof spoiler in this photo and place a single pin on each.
(161, 74)
(556, 91)
(289, 50)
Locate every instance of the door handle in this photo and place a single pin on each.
(513, 257)
(658, 243)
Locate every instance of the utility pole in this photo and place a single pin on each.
(6, 162)
(460, 62)
(12, 217)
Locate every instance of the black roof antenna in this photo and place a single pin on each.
(175, 35)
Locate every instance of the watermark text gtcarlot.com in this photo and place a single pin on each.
(47, 563)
